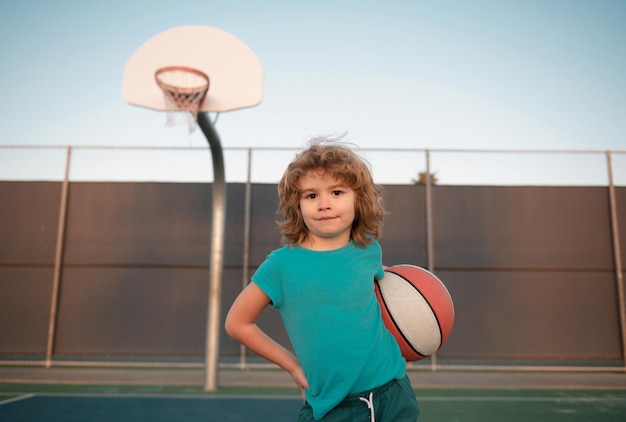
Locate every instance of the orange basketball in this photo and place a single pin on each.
(417, 309)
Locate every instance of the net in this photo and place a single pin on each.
(184, 89)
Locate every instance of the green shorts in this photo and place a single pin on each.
(392, 402)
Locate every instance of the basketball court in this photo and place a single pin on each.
(72, 394)
(132, 407)
(435, 405)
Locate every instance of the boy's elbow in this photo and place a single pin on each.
(231, 326)
(228, 325)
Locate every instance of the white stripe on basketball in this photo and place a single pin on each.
(412, 314)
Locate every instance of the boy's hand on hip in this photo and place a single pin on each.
(298, 376)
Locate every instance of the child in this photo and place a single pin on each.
(348, 367)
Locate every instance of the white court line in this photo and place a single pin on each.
(581, 399)
(14, 399)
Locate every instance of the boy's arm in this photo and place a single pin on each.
(241, 326)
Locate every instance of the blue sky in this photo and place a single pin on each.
(473, 74)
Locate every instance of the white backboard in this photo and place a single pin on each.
(235, 73)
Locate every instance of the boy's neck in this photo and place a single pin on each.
(325, 244)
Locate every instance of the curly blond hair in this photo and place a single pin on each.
(344, 164)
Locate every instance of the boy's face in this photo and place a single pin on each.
(328, 210)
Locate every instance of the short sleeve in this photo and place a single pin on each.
(380, 274)
(268, 278)
(380, 271)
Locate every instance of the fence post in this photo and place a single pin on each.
(246, 244)
(429, 216)
(429, 235)
(617, 257)
(58, 260)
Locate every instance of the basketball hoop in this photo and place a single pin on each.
(184, 89)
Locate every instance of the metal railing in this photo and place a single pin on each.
(265, 165)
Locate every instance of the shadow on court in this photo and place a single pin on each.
(35, 407)
(435, 406)
(522, 405)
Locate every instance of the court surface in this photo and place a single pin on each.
(153, 394)
(20, 402)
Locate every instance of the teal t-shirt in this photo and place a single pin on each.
(328, 305)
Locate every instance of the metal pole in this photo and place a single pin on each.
(429, 236)
(429, 216)
(617, 256)
(246, 246)
(58, 261)
(217, 251)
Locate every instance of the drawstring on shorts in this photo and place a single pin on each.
(370, 405)
(354, 400)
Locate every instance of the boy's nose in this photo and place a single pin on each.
(324, 204)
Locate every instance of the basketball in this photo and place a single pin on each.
(417, 309)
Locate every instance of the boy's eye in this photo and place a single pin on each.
(337, 192)
(311, 196)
